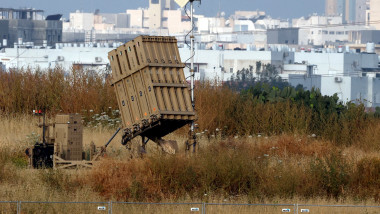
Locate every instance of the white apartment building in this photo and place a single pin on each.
(172, 20)
(324, 30)
(207, 25)
(160, 18)
(231, 61)
(316, 20)
(80, 21)
(136, 18)
(270, 23)
(354, 77)
(327, 34)
(342, 64)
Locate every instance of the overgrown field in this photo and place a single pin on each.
(259, 145)
(253, 169)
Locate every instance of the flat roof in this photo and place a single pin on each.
(20, 10)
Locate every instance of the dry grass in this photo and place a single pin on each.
(246, 169)
(55, 90)
(16, 130)
(284, 165)
(89, 93)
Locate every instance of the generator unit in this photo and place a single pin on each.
(62, 144)
(68, 133)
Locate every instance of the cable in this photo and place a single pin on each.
(193, 54)
(18, 55)
(191, 28)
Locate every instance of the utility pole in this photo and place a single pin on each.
(192, 68)
(192, 139)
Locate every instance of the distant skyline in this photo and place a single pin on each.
(275, 8)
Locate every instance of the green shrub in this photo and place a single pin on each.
(20, 161)
(332, 175)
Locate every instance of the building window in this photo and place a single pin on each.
(244, 28)
(332, 32)
(154, 1)
(325, 32)
(231, 70)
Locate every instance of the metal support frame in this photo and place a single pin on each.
(143, 144)
(43, 129)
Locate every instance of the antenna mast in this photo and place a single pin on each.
(182, 3)
(192, 74)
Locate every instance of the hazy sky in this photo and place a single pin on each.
(275, 8)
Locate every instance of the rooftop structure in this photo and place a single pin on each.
(248, 14)
(283, 36)
(29, 14)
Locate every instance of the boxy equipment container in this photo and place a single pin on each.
(151, 88)
(69, 137)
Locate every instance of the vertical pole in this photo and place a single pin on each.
(192, 52)
(19, 207)
(17, 53)
(110, 207)
(192, 68)
(43, 129)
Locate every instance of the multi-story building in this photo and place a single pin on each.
(364, 37)
(353, 76)
(374, 14)
(80, 21)
(334, 7)
(325, 36)
(160, 18)
(361, 9)
(208, 25)
(155, 13)
(352, 11)
(28, 26)
(328, 30)
(136, 18)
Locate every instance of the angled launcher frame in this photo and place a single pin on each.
(151, 89)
